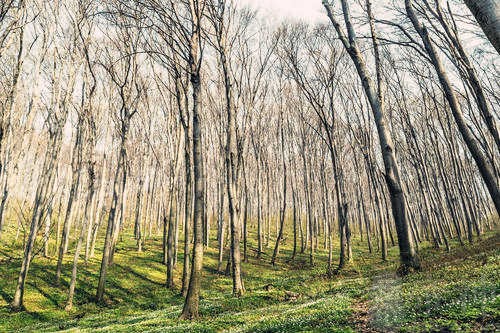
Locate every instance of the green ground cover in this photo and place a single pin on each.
(456, 291)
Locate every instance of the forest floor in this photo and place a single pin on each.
(456, 291)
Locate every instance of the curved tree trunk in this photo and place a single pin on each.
(85, 224)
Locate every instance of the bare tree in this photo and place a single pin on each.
(124, 76)
(408, 255)
(472, 144)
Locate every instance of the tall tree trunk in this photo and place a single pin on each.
(170, 244)
(169, 235)
(279, 237)
(41, 194)
(115, 202)
(295, 229)
(487, 14)
(191, 303)
(75, 180)
(137, 224)
(85, 223)
(408, 256)
(472, 144)
(245, 223)
(187, 209)
(259, 211)
(96, 218)
(309, 225)
(232, 167)
(221, 226)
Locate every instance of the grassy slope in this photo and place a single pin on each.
(455, 291)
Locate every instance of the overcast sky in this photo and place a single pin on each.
(307, 10)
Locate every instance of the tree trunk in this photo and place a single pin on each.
(41, 193)
(473, 146)
(85, 223)
(283, 205)
(221, 226)
(108, 241)
(187, 209)
(76, 168)
(137, 225)
(408, 255)
(170, 245)
(191, 303)
(487, 14)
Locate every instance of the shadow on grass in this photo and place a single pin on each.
(6, 297)
(138, 275)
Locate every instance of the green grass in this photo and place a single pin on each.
(455, 291)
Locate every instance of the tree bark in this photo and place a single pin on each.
(191, 303)
(487, 14)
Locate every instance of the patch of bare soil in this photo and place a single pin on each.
(362, 317)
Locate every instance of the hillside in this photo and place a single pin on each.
(455, 291)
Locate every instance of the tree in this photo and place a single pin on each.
(8, 27)
(218, 18)
(472, 144)
(487, 15)
(196, 11)
(123, 74)
(408, 255)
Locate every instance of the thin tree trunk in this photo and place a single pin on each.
(283, 205)
(112, 221)
(187, 210)
(85, 223)
(76, 170)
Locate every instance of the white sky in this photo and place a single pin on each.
(307, 10)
